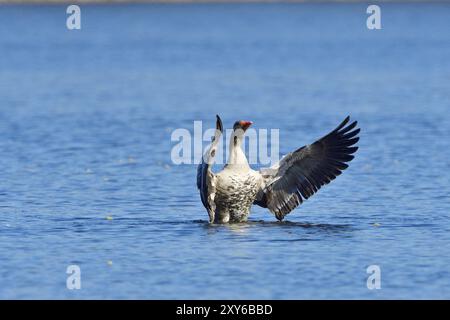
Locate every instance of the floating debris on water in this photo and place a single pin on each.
(376, 224)
(109, 262)
(109, 217)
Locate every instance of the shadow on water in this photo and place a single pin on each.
(288, 227)
(249, 224)
(275, 224)
(277, 230)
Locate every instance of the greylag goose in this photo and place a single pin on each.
(229, 194)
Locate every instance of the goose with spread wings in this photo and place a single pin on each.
(229, 194)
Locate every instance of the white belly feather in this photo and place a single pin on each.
(235, 193)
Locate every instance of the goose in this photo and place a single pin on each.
(229, 194)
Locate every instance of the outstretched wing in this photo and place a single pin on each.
(205, 177)
(301, 173)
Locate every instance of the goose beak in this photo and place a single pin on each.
(246, 124)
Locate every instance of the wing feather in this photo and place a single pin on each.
(206, 179)
(301, 173)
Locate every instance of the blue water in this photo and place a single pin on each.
(85, 123)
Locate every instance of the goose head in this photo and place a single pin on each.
(239, 129)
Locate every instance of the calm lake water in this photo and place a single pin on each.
(85, 139)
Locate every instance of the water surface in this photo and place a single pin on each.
(85, 124)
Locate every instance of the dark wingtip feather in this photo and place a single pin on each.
(349, 127)
(351, 150)
(353, 141)
(219, 125)
(351, 134)
(343, 123)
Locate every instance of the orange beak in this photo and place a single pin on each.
(245, 124)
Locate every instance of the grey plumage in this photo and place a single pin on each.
(303, 172)
(228, 195)
(205, 177)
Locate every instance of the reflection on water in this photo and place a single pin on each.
(86, 179)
